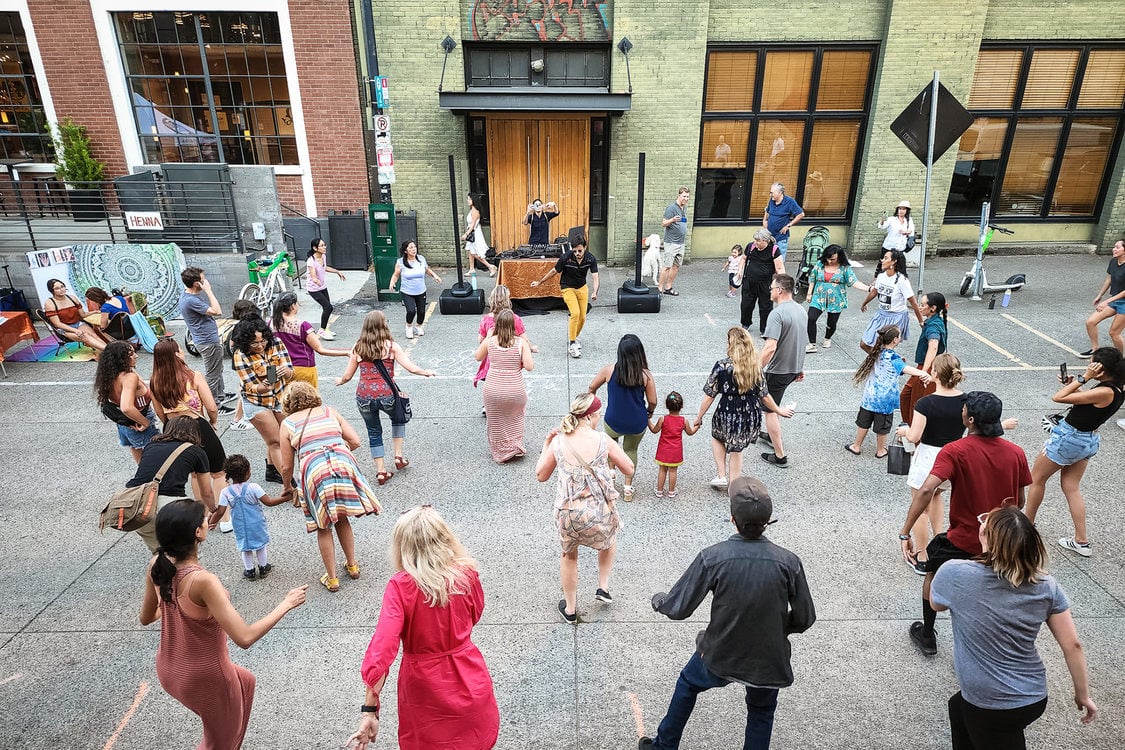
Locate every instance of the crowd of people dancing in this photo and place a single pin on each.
(980, 553)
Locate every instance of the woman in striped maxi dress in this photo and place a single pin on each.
(505, 397)
(316, 445)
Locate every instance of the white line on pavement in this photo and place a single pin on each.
(986, 342)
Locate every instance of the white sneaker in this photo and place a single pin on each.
(327, 335)
(719, 483)
(241, 424)
(573, 350)
(409, 332)
(419, 331)
(226, 527)
(810, 349)
(1121, 423)
(1067, 542)
(828, 343)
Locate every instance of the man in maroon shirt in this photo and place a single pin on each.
(986, 472)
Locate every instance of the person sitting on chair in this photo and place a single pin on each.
(100, 302)
(64, 312)
(540, 220)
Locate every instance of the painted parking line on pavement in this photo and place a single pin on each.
(991, 344)
(11, 678)
(142, 691)
(1040, 334)
(638, 717)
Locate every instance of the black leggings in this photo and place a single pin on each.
(756, 293)
(321, 297)
(975, 728)
(829, 330)
(415, 305)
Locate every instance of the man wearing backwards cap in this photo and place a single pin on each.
(759, 597)
(986, 472)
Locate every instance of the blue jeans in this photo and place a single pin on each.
(369, 409)
(694, 679)
(782, 242)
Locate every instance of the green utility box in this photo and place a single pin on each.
(384, 247)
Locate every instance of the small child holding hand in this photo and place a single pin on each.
(733, 267)
(245, 500)
(670, 447)
(880, 373)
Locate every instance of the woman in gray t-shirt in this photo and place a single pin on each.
(998, 603)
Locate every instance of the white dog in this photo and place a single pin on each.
(650, 262)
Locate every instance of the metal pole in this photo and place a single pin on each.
(978, 267)
(460, 288)
(929, 178)
(635, 285)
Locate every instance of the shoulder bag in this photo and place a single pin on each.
(400, 412)
(133, 507)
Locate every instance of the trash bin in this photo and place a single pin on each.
(349, 240)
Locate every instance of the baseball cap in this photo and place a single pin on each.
(750, 502)
(985, 408)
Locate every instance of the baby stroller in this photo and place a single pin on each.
(813, 246)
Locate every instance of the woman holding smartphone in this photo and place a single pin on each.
(264, 367)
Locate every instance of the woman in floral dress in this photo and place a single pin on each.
(828, 292)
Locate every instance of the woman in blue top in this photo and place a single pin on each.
(412, 270)
(828, 292)
(932, 341)
(629, 385)
(998, 602)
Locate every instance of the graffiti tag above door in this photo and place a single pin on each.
(541, 20)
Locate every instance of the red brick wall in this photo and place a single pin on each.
(322, 37)
(72, 65)
(291, 192)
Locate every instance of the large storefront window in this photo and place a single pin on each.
(24, 132)
(1048, 123)
(208, 87)
(794, 115)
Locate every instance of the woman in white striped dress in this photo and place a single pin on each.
(505, 397)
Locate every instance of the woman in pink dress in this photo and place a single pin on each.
(445, 697)
(505, 396)
(193, 661)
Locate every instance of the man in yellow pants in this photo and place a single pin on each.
(573, 267)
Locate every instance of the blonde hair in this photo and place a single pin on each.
(500, 298)
(299, 396)
(374, 337)
(744, 359)
(947, 370)
(505, 328)
(578, 407)
(424, 546)
(1015, 552)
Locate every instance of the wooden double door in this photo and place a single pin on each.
(531, 158)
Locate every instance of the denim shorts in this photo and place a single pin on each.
(249, 410)
(130, 438)
(1118, 306)
(1067, 445)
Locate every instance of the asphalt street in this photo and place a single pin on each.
(77, 669)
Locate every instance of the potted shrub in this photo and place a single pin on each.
(82, 173)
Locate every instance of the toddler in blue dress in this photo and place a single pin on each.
(245, 500)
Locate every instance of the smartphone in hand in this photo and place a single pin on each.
(271, 374)
(1062, 373)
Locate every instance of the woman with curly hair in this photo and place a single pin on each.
(124, 398)
(316, 449)
(179, 391)
(264, 367)
(374, 393)
(737, 381)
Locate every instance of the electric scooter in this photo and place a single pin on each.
(976, 281)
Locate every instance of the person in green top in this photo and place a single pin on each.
(931, 342)
(828, 292)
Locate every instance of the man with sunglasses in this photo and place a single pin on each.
(986, 472)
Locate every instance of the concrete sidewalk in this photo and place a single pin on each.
(77, 670)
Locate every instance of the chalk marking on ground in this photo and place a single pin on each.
(142, 691)
(11, 678)
(988, 343)
(638, 717)
(1040, 334)
(709, 319)
(430, 310)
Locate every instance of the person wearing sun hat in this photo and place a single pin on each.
(899, 227)
(986, 472)
(760, 596)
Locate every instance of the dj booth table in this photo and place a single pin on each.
(517, 275)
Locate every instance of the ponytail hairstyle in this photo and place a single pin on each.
(1113, 366)
(284, 304)
(947, 370)
(175, 530)
(578, 408)
(937, 299)
(883, 338)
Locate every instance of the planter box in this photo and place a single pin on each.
(87, 205)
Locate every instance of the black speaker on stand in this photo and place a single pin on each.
(461, 298)
(635, 296)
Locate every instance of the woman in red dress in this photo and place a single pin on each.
(445, 698)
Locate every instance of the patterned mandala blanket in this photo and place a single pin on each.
(152, 269)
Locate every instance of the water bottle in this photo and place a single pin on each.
(1007, 298)
(992, 303)
(473, 279)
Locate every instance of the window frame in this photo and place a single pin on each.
(36, 74)
(809, 117)
(1015, 113)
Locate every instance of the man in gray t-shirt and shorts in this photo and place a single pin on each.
(783, 357)
(675, 236)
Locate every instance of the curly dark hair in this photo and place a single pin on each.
(116, 359)
(243, 335)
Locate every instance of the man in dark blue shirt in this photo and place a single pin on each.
(782, 212)
(540, 221)
(759, 596)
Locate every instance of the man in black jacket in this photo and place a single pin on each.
(759, 597)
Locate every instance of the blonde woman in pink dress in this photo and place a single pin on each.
(505, 396)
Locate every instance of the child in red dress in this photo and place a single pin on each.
(670, 447)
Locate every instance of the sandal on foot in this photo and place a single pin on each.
(848, 447)
(382, 477)
(353, 571)
(332, 584)
(401, 463)
(671, 292)
(882, 455)
(627, 495)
